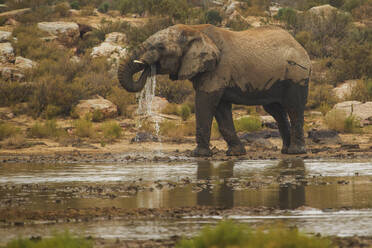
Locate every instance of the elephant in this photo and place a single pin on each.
(259, 66)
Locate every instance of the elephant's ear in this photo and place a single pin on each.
(200, 56)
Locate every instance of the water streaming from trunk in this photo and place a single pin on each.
(146, 96)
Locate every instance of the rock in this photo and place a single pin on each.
(158, 104)
(324, 136)
(23, 63)
(144, 137)
(269, 121)
(13, 13)
(265, 134)
(323, 11)
(344, 89)
(116, 38)
(67, 32)
(110, 50)
(11, 73)
(274, 9)
(104, 106)
(362, 111)
(6, 114)
(231, 7)
(5, 36)
(6, 52)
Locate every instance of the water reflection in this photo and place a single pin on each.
(291, 196)
(287, 196)
(220, 194)
(285, 184)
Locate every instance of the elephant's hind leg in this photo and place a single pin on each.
(295, 107)
(226, 127)
(277, 111)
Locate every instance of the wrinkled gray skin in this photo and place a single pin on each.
(263, 66)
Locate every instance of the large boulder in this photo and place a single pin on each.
(6, 52)
(322, 10)
(343, 90)
(362, 111)
(109, 50)
(5, 36)
(116, 38)
(90, 106)
(67, 32)
(23, 63)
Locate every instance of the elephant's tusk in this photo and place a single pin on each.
(138, 62)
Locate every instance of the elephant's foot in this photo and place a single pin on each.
(202, 152)
(284, 150)
(236, 150)
(296, 150)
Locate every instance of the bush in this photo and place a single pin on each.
(84, 128)
(248, 124)
(177, 130)
(75, 5)
(320, 94)
(122, 99)
(338, 120)
(288, 16)
(62, 9)
(15, 141)
(213, 17)
(170, 109)
(228, 234)
(111, 130)
(362, 91)
(51, 112)
(14, 92)
(65, 240)
(174, 91)
(104, 7)
(7, 130)
(185, 112)
(49, 129)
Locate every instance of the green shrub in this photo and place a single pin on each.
(177, 130)
(62, 9)
(14, 92)
(49, 129)
(122, 99)
(84, 128)
(7, 130)
(320, 94)
(64, 240)
(52, 111)
(111, 130)
(171, 109)
(174, 91)
(288, 16)
(238, 25)
(185, 112)
(75, 5)
(228, 234)
(338, 120)
(213, 17)
(97, 116)
(104, 7)
(248, 124)
(362, 91)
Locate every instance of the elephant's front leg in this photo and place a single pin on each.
(205, 108)
(227, 129)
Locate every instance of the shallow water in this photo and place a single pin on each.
(337, 194)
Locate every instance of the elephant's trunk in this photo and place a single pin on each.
(128, 68)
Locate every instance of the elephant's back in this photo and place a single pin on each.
(266, 55)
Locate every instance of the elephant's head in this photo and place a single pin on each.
(180, 51)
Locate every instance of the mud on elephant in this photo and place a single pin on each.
(261, 66)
